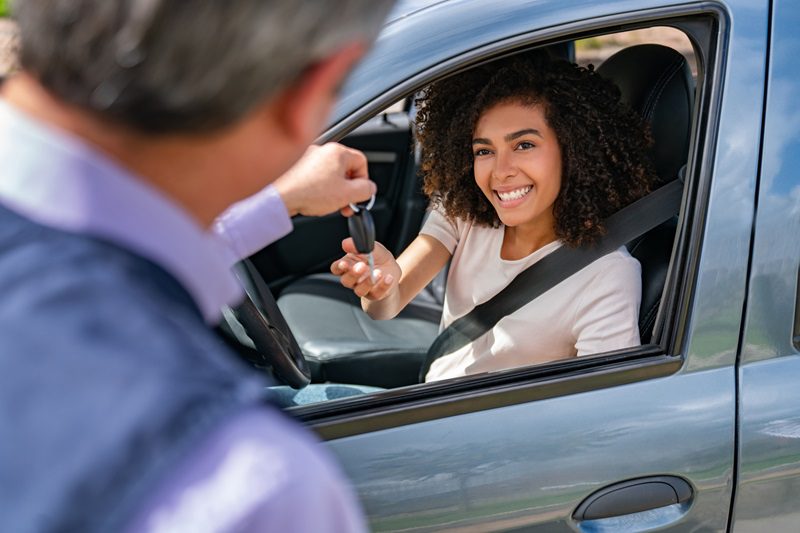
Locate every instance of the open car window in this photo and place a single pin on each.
(385, 377)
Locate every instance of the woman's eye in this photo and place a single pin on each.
(525, 145)
(482, 151)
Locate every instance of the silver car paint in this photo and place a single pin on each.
(768, 488)
(529, 465)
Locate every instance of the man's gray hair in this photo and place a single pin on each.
(183, 65)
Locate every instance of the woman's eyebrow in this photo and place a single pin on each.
(520, 133)
(510, 137)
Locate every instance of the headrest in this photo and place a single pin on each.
(655, 80)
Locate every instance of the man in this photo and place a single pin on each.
(131, 128)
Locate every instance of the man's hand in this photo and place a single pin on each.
(325, 180)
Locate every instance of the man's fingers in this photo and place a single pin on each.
(355, 162)
(360, 187)
(360, 190)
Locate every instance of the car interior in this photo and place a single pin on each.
(340, 343)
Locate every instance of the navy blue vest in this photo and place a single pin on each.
(108, 376)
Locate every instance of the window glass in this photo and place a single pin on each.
(595, 50)
(396, 107)
(364, 372)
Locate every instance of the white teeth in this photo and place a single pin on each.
(516, 194)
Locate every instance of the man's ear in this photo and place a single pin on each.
(303, 107)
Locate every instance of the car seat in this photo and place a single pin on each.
(342, 344)
(656, 81)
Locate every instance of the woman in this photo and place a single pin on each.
(519, 157)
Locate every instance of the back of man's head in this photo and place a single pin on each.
(167, 66)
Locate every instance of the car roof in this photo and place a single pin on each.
(405, 8)
(420, 33)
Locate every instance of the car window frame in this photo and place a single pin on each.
(706, 27)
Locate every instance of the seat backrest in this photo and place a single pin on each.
(656, 81)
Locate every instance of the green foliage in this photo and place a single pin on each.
(3, 8)
(597, 43)
(592, 43)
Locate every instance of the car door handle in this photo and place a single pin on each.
(634, 496)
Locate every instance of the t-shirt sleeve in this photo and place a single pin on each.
(258, 472)
(607, 315)
(441, 228)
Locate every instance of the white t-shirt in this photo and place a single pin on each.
(595, 310)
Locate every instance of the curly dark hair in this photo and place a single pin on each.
(604, 143)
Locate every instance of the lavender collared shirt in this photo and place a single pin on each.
(77, 189)
(259, 471)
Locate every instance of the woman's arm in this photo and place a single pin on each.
(419, 264)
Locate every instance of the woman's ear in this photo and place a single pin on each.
(304, 106)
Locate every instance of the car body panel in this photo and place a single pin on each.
(529, 464)
(769, 427)
(717, 306)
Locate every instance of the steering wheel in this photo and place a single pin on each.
(264, 324)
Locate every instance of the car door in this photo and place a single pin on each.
(598, 443)
(768, 481)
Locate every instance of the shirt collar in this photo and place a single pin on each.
(57, 180)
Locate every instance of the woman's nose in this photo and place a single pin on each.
(504, 166)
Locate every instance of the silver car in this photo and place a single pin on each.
(698, 429)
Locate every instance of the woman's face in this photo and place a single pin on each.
(517, 164)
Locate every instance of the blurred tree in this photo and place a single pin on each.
(3, 8)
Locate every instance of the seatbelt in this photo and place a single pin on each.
(622, 227)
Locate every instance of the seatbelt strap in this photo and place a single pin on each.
(622, 227)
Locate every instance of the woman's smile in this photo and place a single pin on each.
(513, 197)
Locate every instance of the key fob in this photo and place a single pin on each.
(362, 230)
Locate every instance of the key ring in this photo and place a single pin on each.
(358, 207)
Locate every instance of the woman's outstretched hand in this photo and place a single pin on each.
(353, 271)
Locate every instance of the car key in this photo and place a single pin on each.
(362, 230)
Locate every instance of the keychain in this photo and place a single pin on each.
(362, 230)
